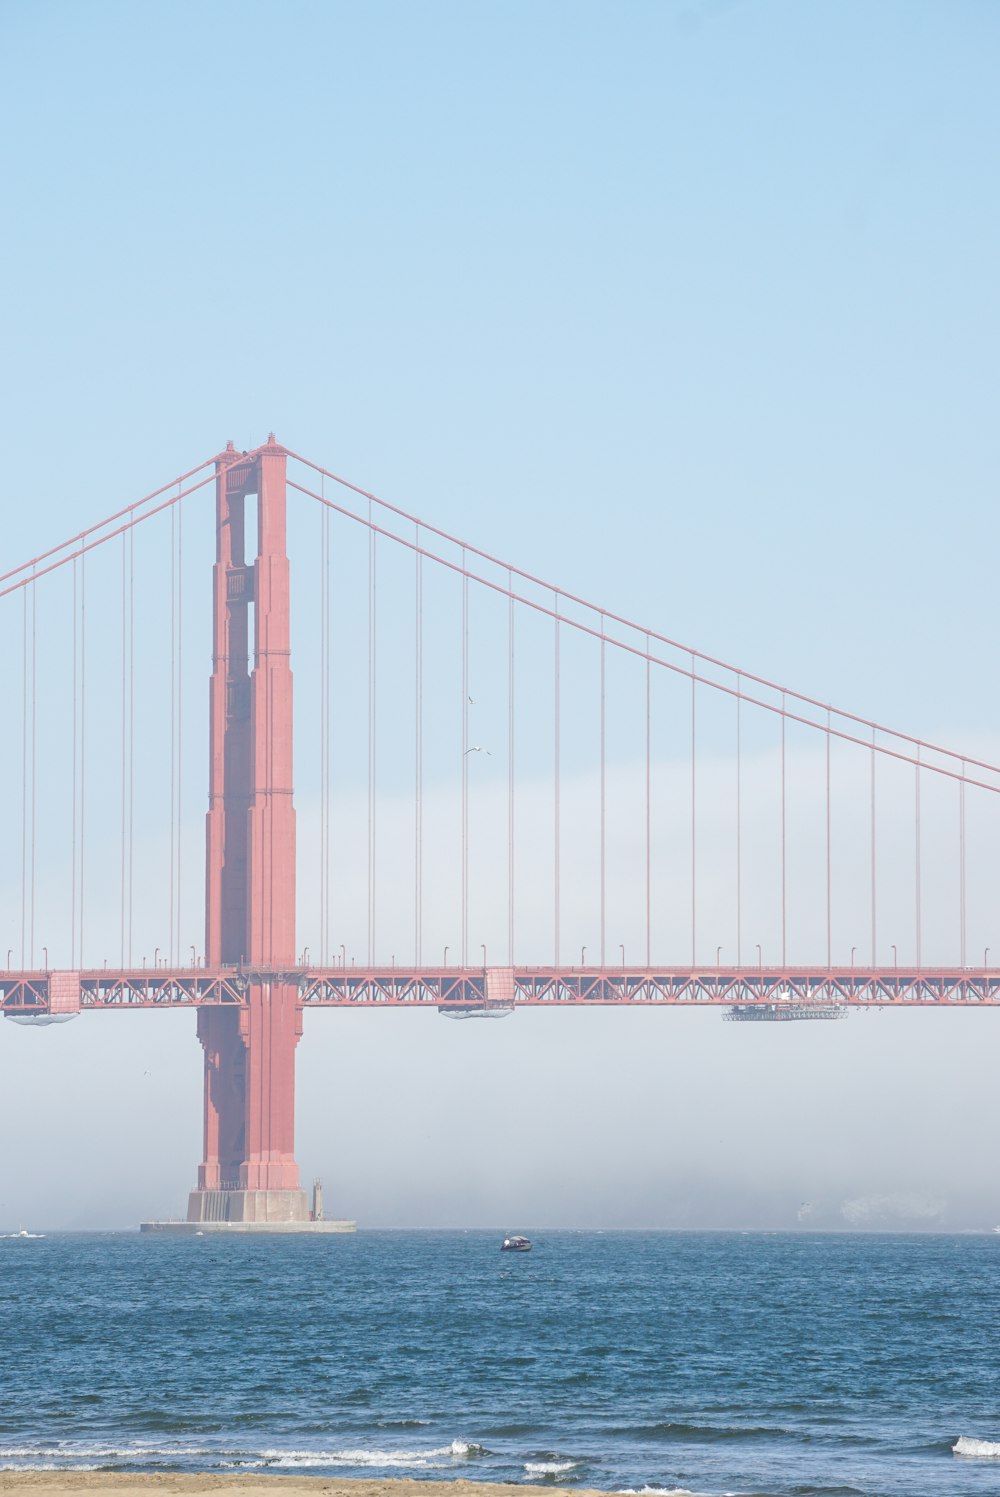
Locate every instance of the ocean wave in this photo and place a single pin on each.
(549, 1468)
(62, 1466)
(461, 1450)
(984, 1449)
(681, 1431)
(49, 1457)
(656, 1492)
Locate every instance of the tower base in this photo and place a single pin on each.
(241, 1210)
(250, 1206)
(261, 1229)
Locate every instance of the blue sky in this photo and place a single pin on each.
(690, 307)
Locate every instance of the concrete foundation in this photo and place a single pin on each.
(249, 1206)
(261, 1229)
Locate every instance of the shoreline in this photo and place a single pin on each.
(239, 1484)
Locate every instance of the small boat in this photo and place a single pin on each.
(515, 1244)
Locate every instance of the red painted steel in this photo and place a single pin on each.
(228, 988)
(250, 840)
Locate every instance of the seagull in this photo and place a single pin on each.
(477, 748)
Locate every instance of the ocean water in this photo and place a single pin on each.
(699, 1362)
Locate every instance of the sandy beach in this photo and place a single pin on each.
(123, 1484)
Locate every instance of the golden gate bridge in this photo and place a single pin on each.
(570, 684)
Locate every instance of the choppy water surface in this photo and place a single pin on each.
(708, 1362)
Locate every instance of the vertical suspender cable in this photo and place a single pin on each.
(83, 747)
(465, 762)
(372, 719)
(124, 742)
(604, 815)
(324, 516)
(961, 867)
(173, 725)
(829, 906)
(328, 768)
(24, 780)
(874, 886)
(131, 735)
(34, 750)
(72, 937)
(557, 755)
(739, 822)
(784, 884)
(694, 820)
(35, 699)
(648, 836)
(180, 721)
(418, 828)
(510, 770)
(916, 860)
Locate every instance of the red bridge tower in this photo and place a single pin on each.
(249, 1173)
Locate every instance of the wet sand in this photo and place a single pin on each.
(123, 1484)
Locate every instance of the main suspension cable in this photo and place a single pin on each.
(689, 672)
(598, 612)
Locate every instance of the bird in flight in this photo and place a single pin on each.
(477, 748)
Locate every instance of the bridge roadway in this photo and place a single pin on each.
(462, 992)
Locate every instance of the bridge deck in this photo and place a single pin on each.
(458, 990)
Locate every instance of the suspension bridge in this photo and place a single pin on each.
(502, 777)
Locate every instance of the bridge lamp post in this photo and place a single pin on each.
(45, 954)
(192, 956)
(305, 957)
(718, 956)
(895, 963)
(483, 944)
(445, 963)
(156, 957)
(760, 957)
(343, 955)
(986, 957)
(621, 948)
(583, 956)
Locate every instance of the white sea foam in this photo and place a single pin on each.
(65, 1451)
(548, 1468)
(985, 1449)
(67, 1457)
(386, 1459)
(46, 1466)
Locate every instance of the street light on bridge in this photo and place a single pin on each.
(445, 956)
(621, 948)
(583, 955)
